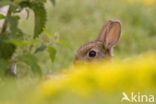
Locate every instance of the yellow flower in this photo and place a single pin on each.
(84, 80)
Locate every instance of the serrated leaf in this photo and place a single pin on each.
(53, 2)
(52, 53)
(40, 15)
(64, 43)
(48, 32)
(40, 18)
(32, 61)
(2, 16)
(40, 49)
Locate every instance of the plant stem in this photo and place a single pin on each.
(4, 26)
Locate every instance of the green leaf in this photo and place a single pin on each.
(40, 15)
(6, 49)
(40, 49)
(48, 32)
(22, 43)
(40, 18)
(32, 61)
(65, 43)
(53, 2)
(15, 42)
(13, 24)
(2, 16)
(52, 53)
(31, 42)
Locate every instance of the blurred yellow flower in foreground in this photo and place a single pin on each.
(85, 80)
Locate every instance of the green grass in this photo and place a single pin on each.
(79, 22)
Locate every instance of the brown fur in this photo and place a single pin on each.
(103, 46)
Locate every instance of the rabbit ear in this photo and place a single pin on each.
(110, 34)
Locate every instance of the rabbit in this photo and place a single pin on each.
(102, 47)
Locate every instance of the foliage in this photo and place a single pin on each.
(14, 40)
(40, 15)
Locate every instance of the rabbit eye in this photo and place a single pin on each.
(92, 54)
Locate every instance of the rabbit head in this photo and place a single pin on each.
(102, 47)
